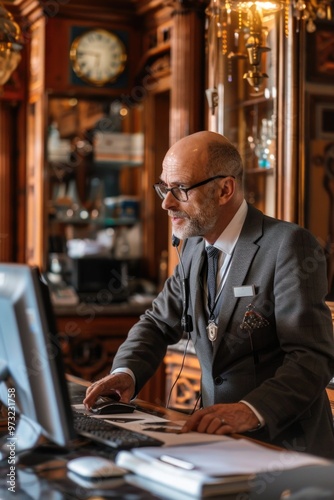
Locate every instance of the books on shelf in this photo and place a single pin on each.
(205, 470)
(119, 147)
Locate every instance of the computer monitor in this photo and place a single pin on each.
(32, 378)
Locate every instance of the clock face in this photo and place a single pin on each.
(98, 56)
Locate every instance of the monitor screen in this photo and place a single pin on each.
(32, 379)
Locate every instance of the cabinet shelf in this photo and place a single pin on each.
(117, 165)
(258, 171)
(99, 221)
(256, 100)
(250, 103)
(55, 166)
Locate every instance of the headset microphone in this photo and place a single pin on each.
(175, 241)
(186, 320)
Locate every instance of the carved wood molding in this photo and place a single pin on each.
(186, 6)
(29, 11)
(184, 394)
(25, 12)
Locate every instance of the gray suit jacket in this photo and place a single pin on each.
(274, 349)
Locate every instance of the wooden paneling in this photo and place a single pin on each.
(12, 182)
(6, 191)
(57, 60)
(157, 142)
(89, 344)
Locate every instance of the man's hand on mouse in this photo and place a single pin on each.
(119, 383)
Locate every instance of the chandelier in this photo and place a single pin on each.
(239, 27)
(10, 45)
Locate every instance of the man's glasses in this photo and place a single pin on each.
(181, 193)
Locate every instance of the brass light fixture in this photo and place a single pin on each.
(310, 10)
(241, 33)
(10, 45)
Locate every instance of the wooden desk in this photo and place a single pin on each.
(47, 478)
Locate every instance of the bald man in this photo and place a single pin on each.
(265, 344)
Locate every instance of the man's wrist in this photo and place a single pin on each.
(261, 420)
(124, 370)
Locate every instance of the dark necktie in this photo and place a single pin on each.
(212, 254)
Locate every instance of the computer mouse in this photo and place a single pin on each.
(112, 407)
(94, 467)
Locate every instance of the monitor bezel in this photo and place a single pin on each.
(31, 358)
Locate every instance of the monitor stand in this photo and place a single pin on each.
(25, 437)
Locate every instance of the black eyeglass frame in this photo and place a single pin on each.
(157, 187)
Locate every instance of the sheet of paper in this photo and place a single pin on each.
(157, 427)
(234, 456)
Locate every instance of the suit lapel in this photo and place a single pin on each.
(242, 258)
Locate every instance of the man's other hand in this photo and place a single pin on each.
(222, 419)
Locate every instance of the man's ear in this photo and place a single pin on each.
(227, 190)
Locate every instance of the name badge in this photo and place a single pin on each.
(244, 291)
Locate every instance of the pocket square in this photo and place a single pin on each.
(252, 319)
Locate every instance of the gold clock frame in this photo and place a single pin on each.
(77, 68)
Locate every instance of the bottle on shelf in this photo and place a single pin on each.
(122, 247)
(53, 139)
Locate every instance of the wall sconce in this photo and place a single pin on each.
(10, 45)
(241, 33)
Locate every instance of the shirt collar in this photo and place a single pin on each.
(229, 237)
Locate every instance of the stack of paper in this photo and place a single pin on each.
(193, 483)
(204, 470)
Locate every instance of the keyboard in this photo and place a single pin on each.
(101, 431)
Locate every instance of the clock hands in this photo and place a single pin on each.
(83, 53)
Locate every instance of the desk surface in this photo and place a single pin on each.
(43, 475)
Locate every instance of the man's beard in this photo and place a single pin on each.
(199, 225)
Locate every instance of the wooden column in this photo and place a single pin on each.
(291, 125)
(187, 76)
(187, 68)
(36, 208)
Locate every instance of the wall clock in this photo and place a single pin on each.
(98, 57)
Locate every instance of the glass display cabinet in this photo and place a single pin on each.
(94, 155)
(242, 94)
